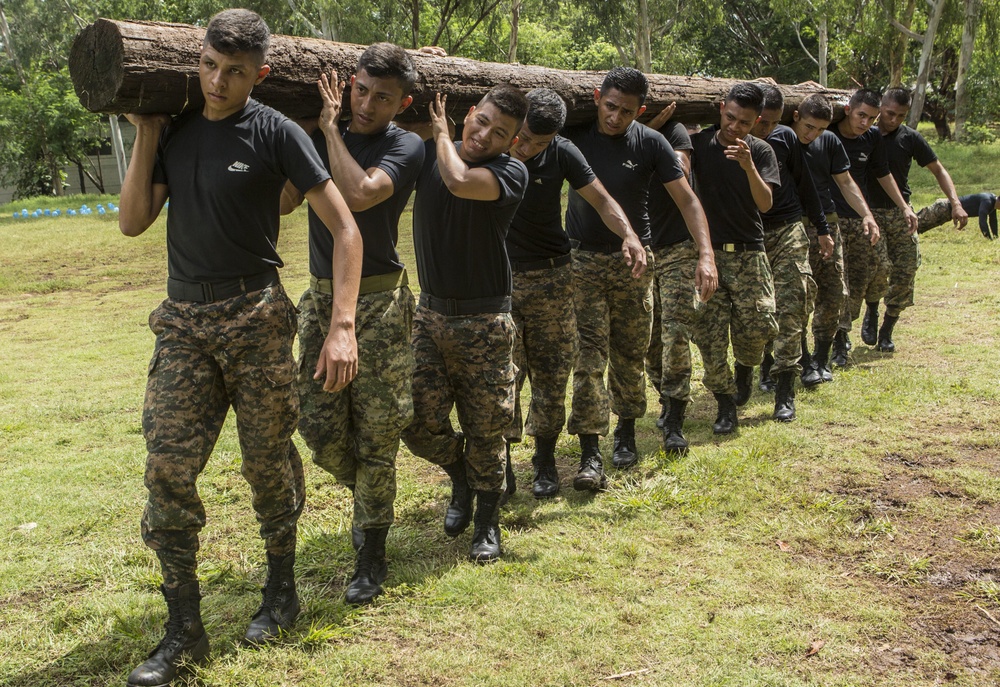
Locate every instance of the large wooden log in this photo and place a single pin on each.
(132, 66)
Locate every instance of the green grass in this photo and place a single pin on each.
(868, 524)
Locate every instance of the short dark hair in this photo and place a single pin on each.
(546, 111)
(388, 60)
(747, 94)
(627, 80)
(773, 98)
(238, 30)
(509, 100)
(816, 106)
(900, 96)
(866, 96)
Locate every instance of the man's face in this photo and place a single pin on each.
(227, 80)
(769, 119)
(529, 144)
(488, 132)
(808, 129)
(375, 101)
(859, 118)
(891, 115)
(615, 111)
(736, 122)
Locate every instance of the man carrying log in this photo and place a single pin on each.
(733, 175)
(903, 146)
(614, 300)
(354, 434)
(225, 332)
(463, 333)
(787, 248)
(539, 251)
(864, 253)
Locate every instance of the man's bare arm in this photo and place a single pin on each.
(141, 200)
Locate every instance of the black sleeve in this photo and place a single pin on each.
(808, 195)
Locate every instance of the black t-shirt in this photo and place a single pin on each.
(902, 147)
(459, 243)
(624, 164)
(666, 223)
(797, 193)
(398, 153)
(868, 161)
(536, 232)
(826, 157)
(225, 180)
(724, 189)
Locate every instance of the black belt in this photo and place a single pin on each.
(208, 292)
(772, 224)
(470, 306)
(548, 263)
(755, 247)
(606, 248)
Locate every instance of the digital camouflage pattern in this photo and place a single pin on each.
(676, 306)
(862, 264)
(935, 214)
(208, 357)
(354, 434)
(545, 348)
(794, 290)
(465, 362)
(896, 284)
(742, 308)
(614, 316)
(831, 283)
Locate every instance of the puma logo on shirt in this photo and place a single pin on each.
(239, 167)
(628, 164)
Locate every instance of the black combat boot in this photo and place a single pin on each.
(821, 361)
(357, 534)
(784, 397)
(280, 606)
(766, 383)
(459, 513)
(885, 343)
(185, 639)
(591, 475)
(726, 421)
(486, 534)
(370, 569)
(841, 344)
(663, 415)
(869, 325)
(545, 482)
(673, 438)
(625, 455)
(509, 477)
(744, 384)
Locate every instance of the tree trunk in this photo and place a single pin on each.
(972, 9)
(643, 51)
(121, 66)
(923, 74)
(899, 55)
(515, 18)
(824, 52)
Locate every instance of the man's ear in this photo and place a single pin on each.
(407, 101)
(641, 110)
(352, 78)
(264, 71)
(597, 95)
(795, 116)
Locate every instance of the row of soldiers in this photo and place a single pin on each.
(506, 295)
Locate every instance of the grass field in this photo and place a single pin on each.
(856, 546)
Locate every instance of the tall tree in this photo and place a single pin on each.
(926, 39)
(972, 12)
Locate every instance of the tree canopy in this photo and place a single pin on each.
(844, 43)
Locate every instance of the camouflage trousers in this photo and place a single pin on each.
(463, 361)
(862, 264)
(208, 357)
(794, 292)
(831, 285)
(741, 308)
(354, 433)
(897, 283)
(613, 321)
(545, 348)
(675, 307)
(935, 214)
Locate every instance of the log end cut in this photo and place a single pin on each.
(96, 65)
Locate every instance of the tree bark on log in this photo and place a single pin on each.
(147, 67)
